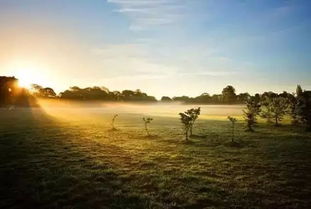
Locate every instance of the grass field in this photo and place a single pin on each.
(69, 158)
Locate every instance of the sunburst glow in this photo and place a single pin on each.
(27, 77)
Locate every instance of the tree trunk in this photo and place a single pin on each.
(146, 128)
(191, 130)
(187, 130)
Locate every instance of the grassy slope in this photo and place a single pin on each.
(51, 163)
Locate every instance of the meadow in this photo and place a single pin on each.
(67, 156)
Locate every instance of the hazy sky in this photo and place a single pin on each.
(164, 47)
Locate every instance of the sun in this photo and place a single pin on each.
(27, 77)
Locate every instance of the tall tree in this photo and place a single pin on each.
(303, 109)
(228, 94)
(299, 91)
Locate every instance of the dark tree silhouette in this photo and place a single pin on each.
(103, 94)
(228, 94)
(204, 98)
(8, 90)
(166, 99)
(12, 95)
(303, 109)
(242, 98)
(299, 91)
(40, 91)
(183, 99)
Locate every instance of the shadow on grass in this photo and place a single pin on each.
(45, 166)
(198, 136)
(151, 137)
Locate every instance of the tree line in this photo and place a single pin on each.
(274, 107)
(8, 86)
(269, 105)
(228, 95)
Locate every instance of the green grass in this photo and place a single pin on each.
(50, 162)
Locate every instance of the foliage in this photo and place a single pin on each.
(303, 109)
(228, 94)
(146, 122)
(233, 121)
(44, 92)
(251, 112)
(188, 119)
(103, 94)
(166, 99)
(275, 108)
(194, 114)
(299, 91)
(11, 95)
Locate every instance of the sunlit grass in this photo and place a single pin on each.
(68, 157)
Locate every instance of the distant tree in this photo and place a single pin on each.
(303, 109)
(166, 99)
(116, 95)
(233, 121)
(299, 91)
(113, 121)
(291, 100)
(44, 92)
(103, 94)
(146, 122)
(186, 121)
(228, 94)
(204, 98)
(217, 99)
(275, 108)
(183, 99)
(194, 114)
(242, 98)
(268, 95)
(251, 112)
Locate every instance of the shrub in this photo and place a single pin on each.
(251, 112)
(193, 113)
(186, 121)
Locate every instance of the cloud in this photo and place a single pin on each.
(146, 14)
(128, 61)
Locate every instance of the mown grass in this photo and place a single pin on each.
(47, 162)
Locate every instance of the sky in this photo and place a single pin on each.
(163, 47)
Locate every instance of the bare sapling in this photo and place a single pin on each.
(233, 121)
(146, 122)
